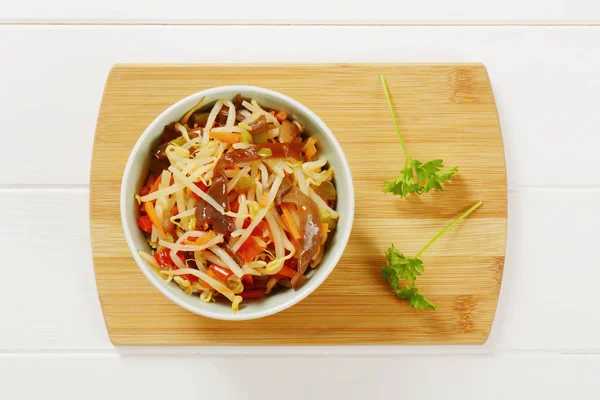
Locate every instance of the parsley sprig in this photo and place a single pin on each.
(402, 272)
(416, 177)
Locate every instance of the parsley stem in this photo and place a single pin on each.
(469, 211)
(389, 100)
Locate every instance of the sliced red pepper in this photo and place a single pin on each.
(200, 186)
(221, 273)
(235, 206)
(261, 230)
(248, 279)
(191, 278)
(286, 273)
(163, 258)
(145, 224)
(250, 249)
(252, 294)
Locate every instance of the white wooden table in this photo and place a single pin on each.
(543, 57)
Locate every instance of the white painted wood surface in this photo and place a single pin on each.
(302, 12)
(546, 81)
(490, 377)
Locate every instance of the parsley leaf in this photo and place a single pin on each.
(429, 176)
(416, 177)
(415, 299)
(405, 267)
(401, 268)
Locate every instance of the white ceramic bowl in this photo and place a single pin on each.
(136, 171)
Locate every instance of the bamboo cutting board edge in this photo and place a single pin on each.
(119, 337)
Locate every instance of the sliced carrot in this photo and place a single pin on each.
(153, 217)
(309, 148)
(204, 239)
(250, 249)
(195, 241)
(311, 141)
(296, 243)
(310, 153)
(226, 137)
(235, 205)
(288, 219)
(175, 210)
(150, 182)
(155, 185)
(280, 115)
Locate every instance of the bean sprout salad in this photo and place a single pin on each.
(238, 202)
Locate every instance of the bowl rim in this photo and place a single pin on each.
(214, 93)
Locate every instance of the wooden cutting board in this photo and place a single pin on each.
(445, 111)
